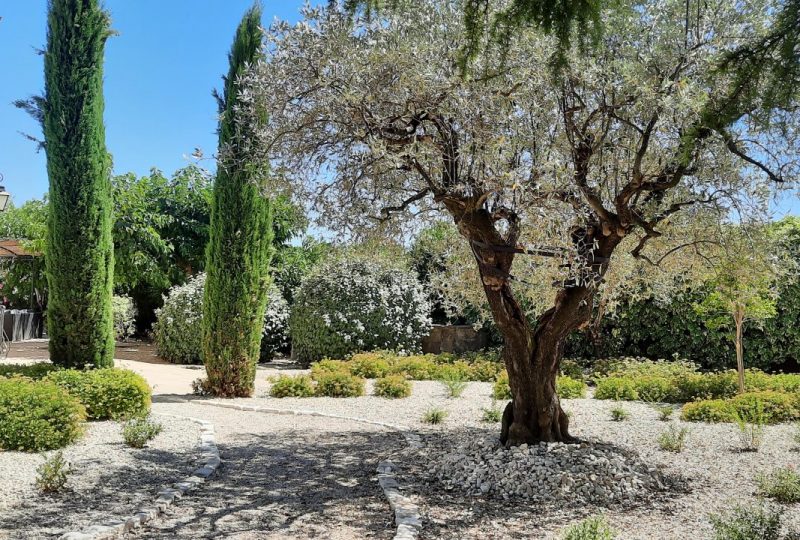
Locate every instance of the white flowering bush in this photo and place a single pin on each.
(275, 335)
(356, 305)
(124, 317)
(178, 330)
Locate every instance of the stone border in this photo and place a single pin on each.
(406, 514)
(209, 462)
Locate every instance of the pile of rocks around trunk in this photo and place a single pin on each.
(548, 472)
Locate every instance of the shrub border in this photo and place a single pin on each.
(208, 463)
(406, 514)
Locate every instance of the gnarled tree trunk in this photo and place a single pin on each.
(531, 355)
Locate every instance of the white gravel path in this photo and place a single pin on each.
(109, 480)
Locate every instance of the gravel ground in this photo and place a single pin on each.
(284, 477)
(710, 474)
(109, 480)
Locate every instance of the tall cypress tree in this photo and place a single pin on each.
(79, 245)
(239, 249)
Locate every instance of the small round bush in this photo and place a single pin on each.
(567, 387)
(369, 365)
(392, 386)
(38, 415)
(501, 388)
(346, 306)
(287, 386)
(616, 388)
(485, 370)
(327, 365)
(31, 371)
(766, 407)
(339, 384)
(708, 410)
(108, 393)
(124, 317)
(418, 368)
(654, 388)
(178, 330)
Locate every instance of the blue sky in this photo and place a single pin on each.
(159, 73)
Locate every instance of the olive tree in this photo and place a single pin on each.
(375, 118)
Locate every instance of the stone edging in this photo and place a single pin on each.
(209, 462)
(406, 514)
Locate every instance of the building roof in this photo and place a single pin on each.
(12, 249)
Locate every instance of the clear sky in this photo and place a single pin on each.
(159, 73)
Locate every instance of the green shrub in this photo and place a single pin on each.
(619, 414)
(38, 415)
(369, 365)
(751, 427)
(616, 388)
(774, 407)
(107, 393)
(501, 388)
(485, 370)
(434, 416)
(291, 386)
(418, 368)
(51, 476)
(351, 305)
(392, 386)
(139, 431)
(673, 439)
(655, 388)
(703, 386)
(755, 522)
(339, 384)
(325, 366)
(570, 388)
(591, 528)
(783, 485)
(572, 369)
(32, 371)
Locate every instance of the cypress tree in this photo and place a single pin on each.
(79, 246)
(239, 250)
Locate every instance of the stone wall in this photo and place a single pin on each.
(455, 338)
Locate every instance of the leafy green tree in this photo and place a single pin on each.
(24, 282)
(743, 289)
(79, 249)
(240, 245)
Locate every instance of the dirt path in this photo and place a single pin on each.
(284, 477)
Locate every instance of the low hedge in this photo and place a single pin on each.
(108, 393)
(766, 406)
(32, 371)
(682, 387)
(38, 415)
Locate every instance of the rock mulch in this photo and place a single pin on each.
(109, 481)
(574, 474)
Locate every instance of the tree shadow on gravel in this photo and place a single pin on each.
(288, 484)
(97, 491)
(458, 514)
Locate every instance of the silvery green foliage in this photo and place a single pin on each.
(357, 305)
(373, 119)
(124, 317)
(178, 329)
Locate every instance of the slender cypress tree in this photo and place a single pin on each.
(80, 252)
(239, 249)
